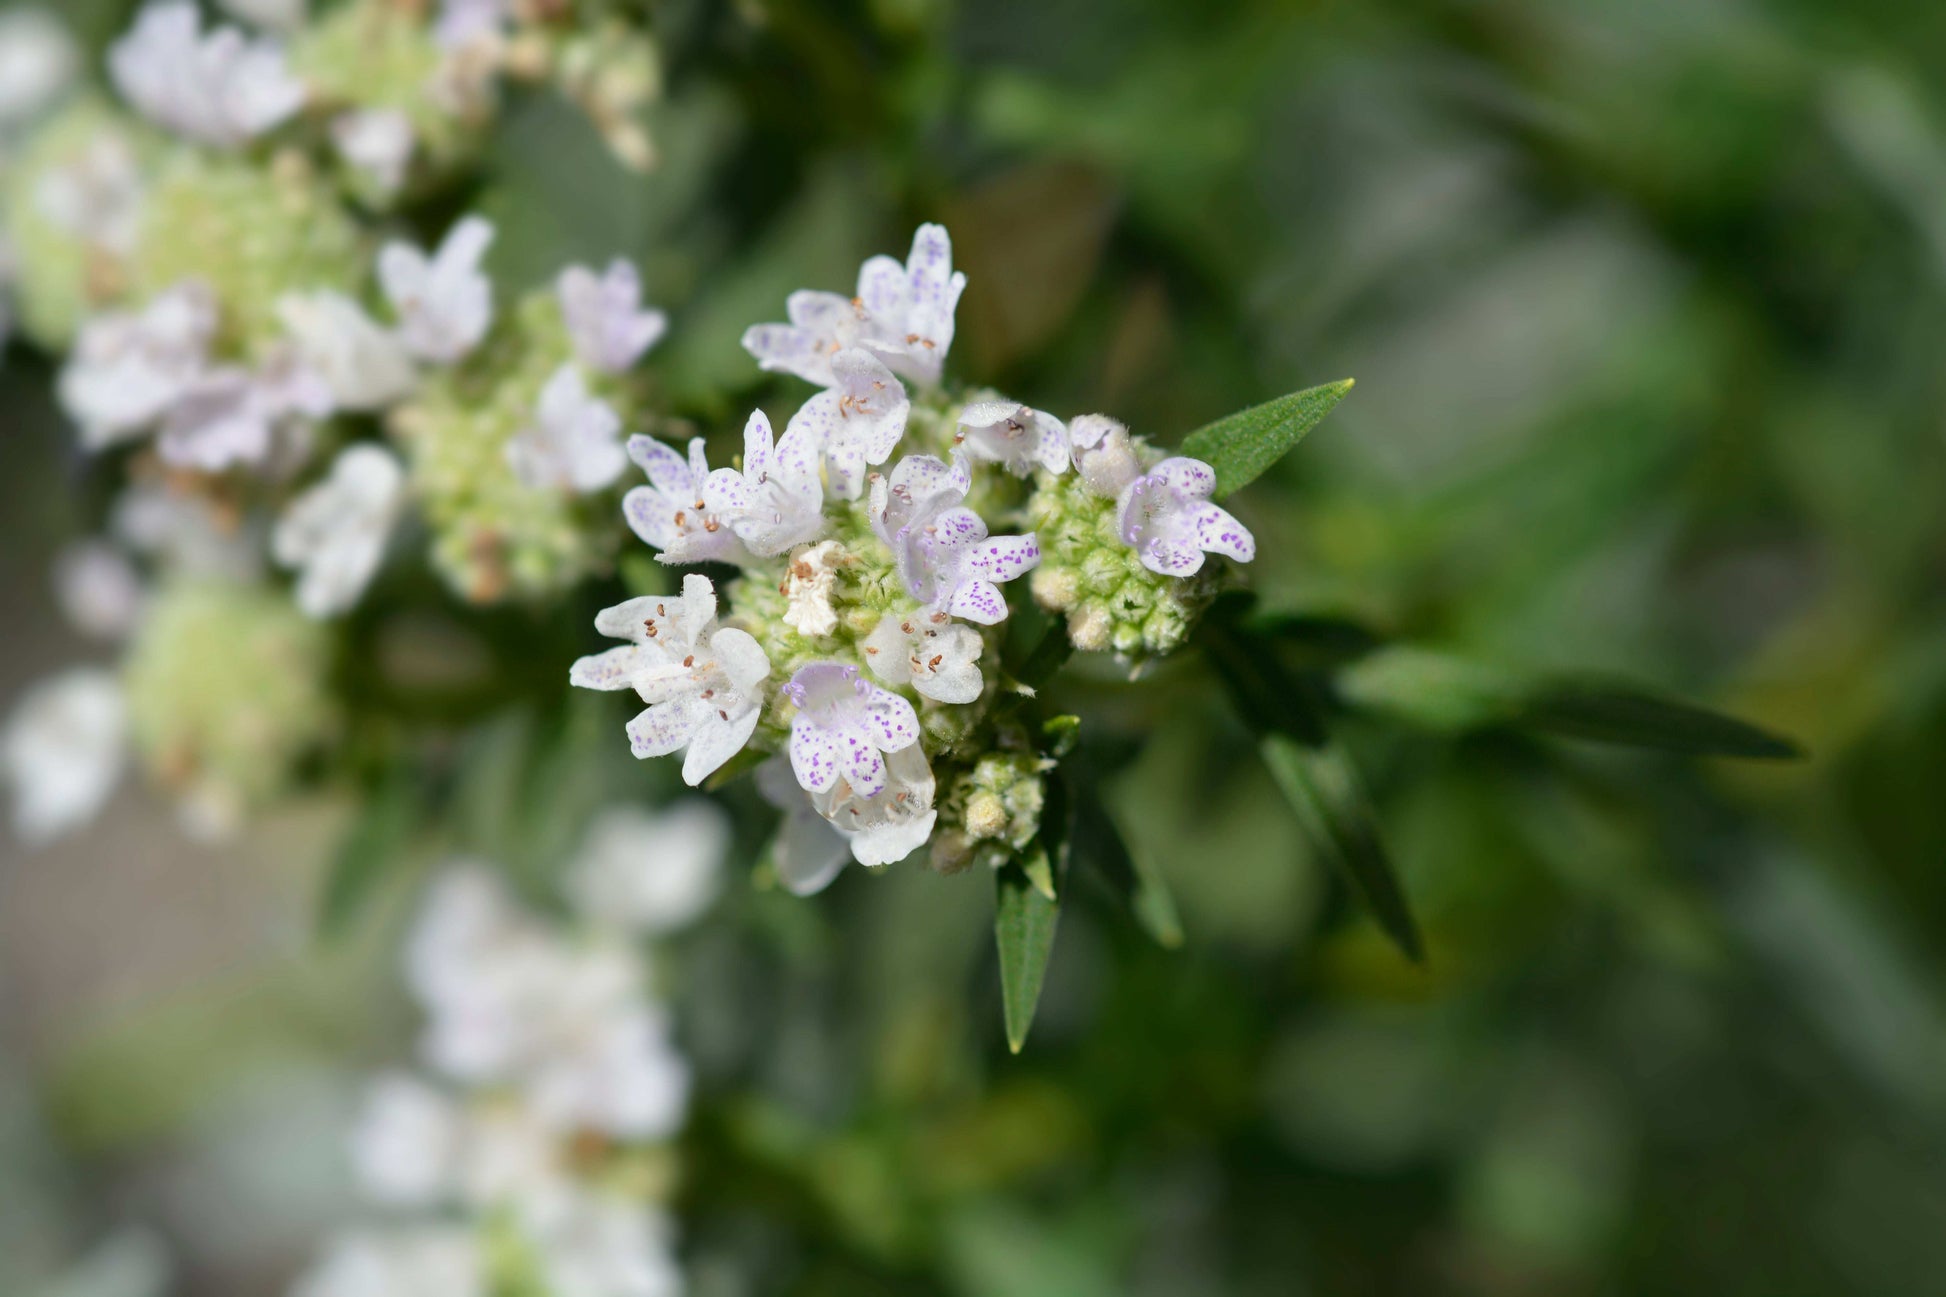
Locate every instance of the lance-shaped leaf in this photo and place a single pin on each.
(371, 849)
(1132, 875)
(1241, 446)
(1023, 928)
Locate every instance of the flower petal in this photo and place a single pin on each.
(666, 726)
(890, 720)
(859, 760)
(720, 737)
(614, 669)
(980, 601)
(814, 755)
(1218, 532)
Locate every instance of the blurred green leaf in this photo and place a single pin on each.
(1624, 715)
(1132, 875)
(371, 849)
(1241, 446)
(1023, 928)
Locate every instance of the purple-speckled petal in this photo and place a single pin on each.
(614, 669)
(650, 515)
(1167, 557)
(1192, 477)
(959, 526)
(814, 755)
(727, 492)
(1053, 452)
(1003, 557)
(666, 726)
(665, 468)
(860, 762)
(1220, 533)
(892, 723)
(882, 287)
(978, 601)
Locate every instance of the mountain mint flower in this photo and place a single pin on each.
(703, 684)
(1103, 454)
(445, 302)
(844, 728)
(128, 369)
(929, 651)
(605, 318)
(858, 420)
(1168, 520)
(650, 872)
(941, 548)
(462, 22)
(777, 501)
(62, 751)
(572, 443)
(38, 60)
(336, 531)
(671, 512)
(1012, 435)
(220, 89)
(363, 363)
(406, 1144)
(230, 415)
(377, 143)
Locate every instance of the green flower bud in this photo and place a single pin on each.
(991, 809)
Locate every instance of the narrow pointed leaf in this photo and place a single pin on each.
(1023, 928)
(1242, 445)
(1635, 718)
(1131, 874)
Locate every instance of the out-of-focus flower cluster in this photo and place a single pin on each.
(532, 1154)
(860, 640)
(227, 248)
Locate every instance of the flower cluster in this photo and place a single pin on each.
(858, 640)
(532, 1154)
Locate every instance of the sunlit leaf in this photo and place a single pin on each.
(1241, 446)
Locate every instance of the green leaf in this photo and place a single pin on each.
(370, 849)
(1023, 929)
(1130, 872)
(1242, 445)
(1625, 715)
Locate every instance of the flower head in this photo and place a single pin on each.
(703, 684)
(941, 548)
(62, 751)
(858, 420)
(1014, 436)
(671, 512)
(128, 369)
(777, 501)
(1168, 520)
(844, 727)
(605, 318)
(929, 651)
(1104, 455)
(445, 302)
(221, 89)
(336, 531)
(571, 445)
(231, 415)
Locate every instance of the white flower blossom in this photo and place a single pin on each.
(431, 1261)
(703, 684)
(808, 851)
(365, 364)
(96, 196)
(650, 871)
(1103, 454)
(822, 831)
(465, 22)
(62, 751)
(573, 442)
(902, 313)
(609, 1065)
(336, 531)
(98, 589)
(220, 89)
(477, 963)
(937, 656)
(858, 420)
(844, 728)
(809, 583)
(230, 415)
(591, 1243)
(777, 501)
(604, 316)
(444, 302)
(671, 512)
(1167, 518)
(941, 548)
(128, 368)
(38, 60)
(183, 531)
(1017, 438)
(378, 143)
(406, 1145)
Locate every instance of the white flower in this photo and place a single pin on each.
(809, 583)
(377, 142)
(221, 89)
(230, 415)
(62, 751)
(777, 501)
(336, 531)
(929, 651)
(477, 963)
(941, 548)
(572, 443)
(650, 872)
(363, 363)
(671, 512)
(608, 1065)
(462, 22)
(406, 1144)
(604, 315)
(1168, 520)
(1103, 454)
(808, 852)
(858, 420)
(38, 60)
(96, 196)
(1012, 435)
(98, 589)
(844, 727)
(821, 831)
(128, 368)
(592, 1243)
(430, 1261)
(444, 302)
(703, 685)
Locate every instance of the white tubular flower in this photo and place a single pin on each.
(1017, 438)
(572, 444)
(444, 302)
(378, 143)
(604, 315)
(98, 589)
(128, 369)
(821, 831)
(671, 512)
(844, 727)
(222, 89)
(941, 548)
(703, 684)
(432, 1261)
(809, 582)
(808, 852)
(476, 961)
(62, 751)
(406, 1144)
(1103, 454)
(38, 60)
(650, 872)
(821, 325)
(335, 533)
(592, 1243)
(929, 651)
(1168, 520)
(230, 416)
(611, 1067)
(777, 501)
(858, 420)
(364, 363)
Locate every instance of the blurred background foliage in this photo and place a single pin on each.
(1646, 301)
